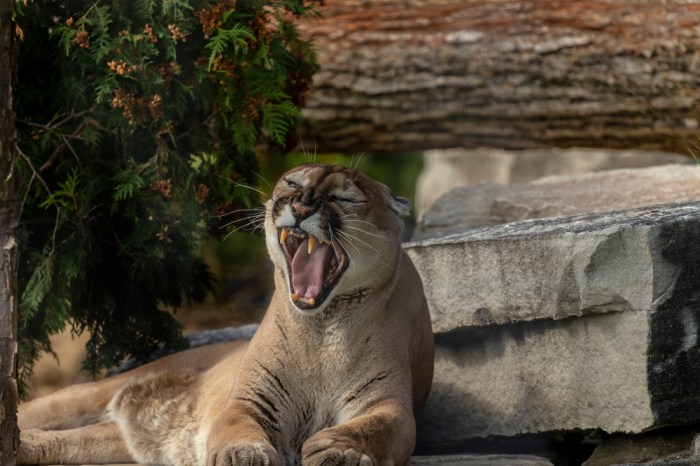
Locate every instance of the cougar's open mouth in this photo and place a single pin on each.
(314, 266)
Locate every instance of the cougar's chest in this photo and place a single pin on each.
(313, 412)
(318, 365)
(319, 401)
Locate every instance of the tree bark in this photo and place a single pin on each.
(421, 74)
(9, 216)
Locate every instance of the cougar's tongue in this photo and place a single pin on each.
(307, 269)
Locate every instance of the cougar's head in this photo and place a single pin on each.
(332, 230)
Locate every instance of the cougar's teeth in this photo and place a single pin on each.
(295, 297)
(312, 301)
(283, 235)
(312, 243)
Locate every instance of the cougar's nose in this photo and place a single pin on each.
(301, 210)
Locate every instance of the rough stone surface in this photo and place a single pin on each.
(447, 169)
(642, 448)
(206, 337)
(209, 337)
(480, 460)
(577, 373)
(487, 204)
(681, 460)
(552, 268)
(600, 316)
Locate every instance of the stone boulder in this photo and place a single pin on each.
(480, 460)
(488, 204)
(581, 322)
(674, 444)
(447, 169)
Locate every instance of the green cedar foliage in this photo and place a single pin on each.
(134, 118)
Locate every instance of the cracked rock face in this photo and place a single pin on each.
(552, 268)
(589, 321)
(539, 376)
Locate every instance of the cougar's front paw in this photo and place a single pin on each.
(244, 454)
(332, 452)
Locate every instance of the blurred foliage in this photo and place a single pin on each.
(136, 121)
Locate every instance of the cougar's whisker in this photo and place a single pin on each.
(264, 180)
(254, 209)
(241, 185)
(345, 245)
(351, 237)
(333, 243)
(257, 222)
(362, 221)
(363, 231)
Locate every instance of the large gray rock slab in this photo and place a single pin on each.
(480, 460)
(444, 170)
(554, 268)
(488, 204)
(619, 372)
(599, 317)
(578, 373)
(662, 445)
(662, 449)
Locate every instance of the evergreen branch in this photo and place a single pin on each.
(62, 147)
(36, 175)
(68, 144)
(277, 120)
(174, 9)
(102, 20)
(64, 118)
(128, 182)
(37, 288)
(144, 9)
(76, 134)
(55, 231)
(236, 37)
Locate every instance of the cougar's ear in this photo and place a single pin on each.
(400, 205)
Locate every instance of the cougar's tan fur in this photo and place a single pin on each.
(332, 377)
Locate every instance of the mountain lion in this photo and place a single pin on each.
(340, 366)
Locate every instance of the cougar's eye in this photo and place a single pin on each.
(346, 200)
(292, 184)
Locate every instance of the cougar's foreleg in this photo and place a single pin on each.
(238, 438)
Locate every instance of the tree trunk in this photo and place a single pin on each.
(415, 75)
(9, 213)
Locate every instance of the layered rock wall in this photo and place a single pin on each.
(586, 321)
